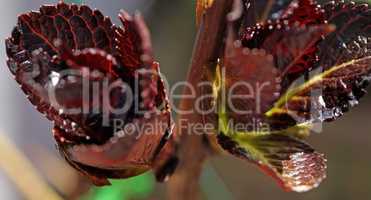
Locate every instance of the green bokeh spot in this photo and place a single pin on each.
(138, 187)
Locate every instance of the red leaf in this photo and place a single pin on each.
(342, 67)
(294, 164)
(133, 41)
(257, 70)
(304, 12)
(61, 47)
(77, 26)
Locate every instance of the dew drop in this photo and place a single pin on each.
(54, 78)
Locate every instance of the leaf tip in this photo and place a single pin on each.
(304, 171)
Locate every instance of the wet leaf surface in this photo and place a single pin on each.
(337, 79)
(319, 59)
(62, 47)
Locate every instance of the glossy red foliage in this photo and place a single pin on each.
(62, 46)
(316, 62)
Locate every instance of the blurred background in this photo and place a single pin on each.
(346, 142)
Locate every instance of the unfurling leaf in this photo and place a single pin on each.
(80, 71)
(307, 41)
(281, 154)
(317, 61)
(294, 164)
(328, 95)
(340, 72)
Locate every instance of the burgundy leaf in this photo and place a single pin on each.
(329, 50)
(249, 72)
(63, 57)
(132, 42)
(301, 42)
(340, 73)
(303, 12)
(292, 44)
(77, 26)
(294, 164)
